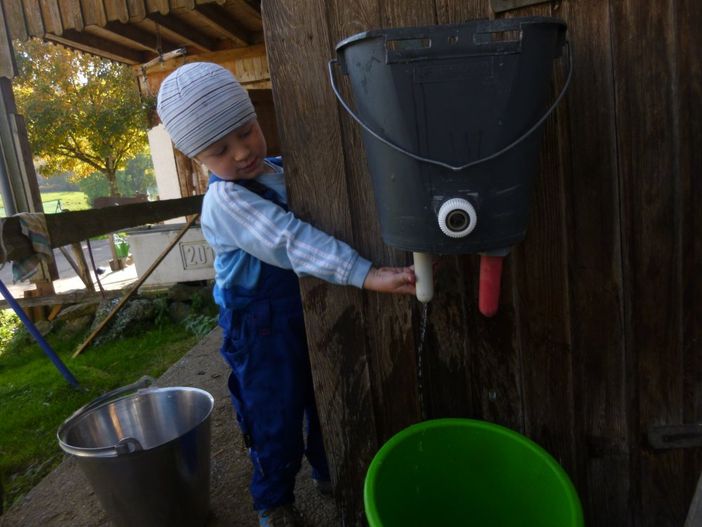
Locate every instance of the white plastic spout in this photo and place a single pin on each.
(425, 276)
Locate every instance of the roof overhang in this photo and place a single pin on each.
(137, 31)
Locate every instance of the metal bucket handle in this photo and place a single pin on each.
(503, 150)
(143, 382)
(126, 445)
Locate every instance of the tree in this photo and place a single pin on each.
(136, 178)
(84, 114)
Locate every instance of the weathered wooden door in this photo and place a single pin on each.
(598, 334)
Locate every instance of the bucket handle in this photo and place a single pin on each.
(143, 382)
(126, 445)
(503, 150)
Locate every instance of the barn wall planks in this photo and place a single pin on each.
(598, 334)
(335, 315)
(389, 327)
(689, 78)
(649, 181)
(542, 301)
(601, 368)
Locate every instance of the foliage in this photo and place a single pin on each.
(162, 316)
(35, 399)
(199, 324)
(136, 178)
(94, 186)
(83, 113)
(9, 324)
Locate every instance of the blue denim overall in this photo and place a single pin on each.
(271, 382)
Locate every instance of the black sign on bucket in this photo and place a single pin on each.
(452, 117)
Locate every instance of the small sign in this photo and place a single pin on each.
(196, 254)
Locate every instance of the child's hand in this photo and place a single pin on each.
(391, 280)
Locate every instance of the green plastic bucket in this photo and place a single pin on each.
(469, 473)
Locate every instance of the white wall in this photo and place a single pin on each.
(164, 166)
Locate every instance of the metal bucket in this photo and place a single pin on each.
(146, 453)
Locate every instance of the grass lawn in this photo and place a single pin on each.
(35, 399)
(57, 201)
(69, 201)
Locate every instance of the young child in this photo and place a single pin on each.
(260, 250)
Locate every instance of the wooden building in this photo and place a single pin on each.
(598, 336)
(596, 351)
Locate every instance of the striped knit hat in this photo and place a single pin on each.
(200, 103)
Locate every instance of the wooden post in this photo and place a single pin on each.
(31, 312)
(81, 271)
(84, 271)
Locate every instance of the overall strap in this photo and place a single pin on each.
(263, 191)
(273, 282)
(255, 187)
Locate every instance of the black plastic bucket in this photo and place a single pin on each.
(452, 119)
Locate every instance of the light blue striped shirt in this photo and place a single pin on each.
(243, 228)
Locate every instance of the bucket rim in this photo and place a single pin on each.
(111, 451)
(398, 32)
(369, 487)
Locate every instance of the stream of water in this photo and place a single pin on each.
(420, 360)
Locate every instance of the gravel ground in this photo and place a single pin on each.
(64, 498)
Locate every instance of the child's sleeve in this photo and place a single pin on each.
(241, 219)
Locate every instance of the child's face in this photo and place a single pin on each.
(238, 155)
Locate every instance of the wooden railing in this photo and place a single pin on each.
(71, 227)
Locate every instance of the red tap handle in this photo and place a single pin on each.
(490, 278)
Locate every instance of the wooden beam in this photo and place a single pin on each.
(15, 173)
(220, 57)
(51, 15)
(72, 14)
(219, 18)
(15, 24)
(94, 13)
(82, 273)
(138, 36)
(182, 5)
(90, 43)
(69, 227)
(32, 14)
(137, 10)
(252, 7)
(188, 34)
(117, 10)
(73, 297)
(83, 270)
(7, 60)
